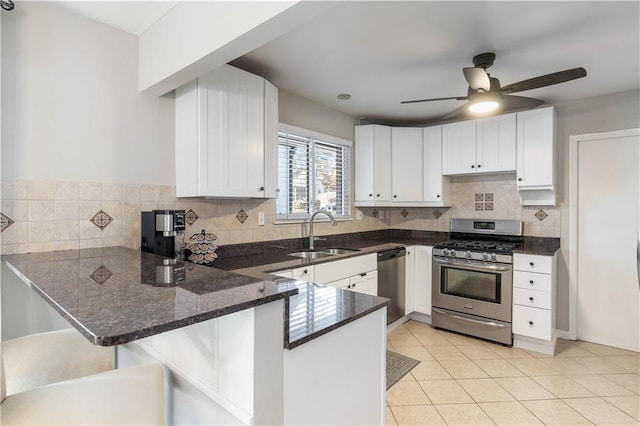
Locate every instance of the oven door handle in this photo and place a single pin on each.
(477, 266)
(458, 317)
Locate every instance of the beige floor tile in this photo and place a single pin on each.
(555, 412)
(417, 415)
(628, 404)
(601, 386)
(628, 381)
(406, 393)
(415, 352)
(478, 352)
(463, 414)
(390, 347)
(463, 369)
(460, 340)
(602, 350)
(389, 420)
(509, 413)
(418, 326)
(429, 370)
(630, 363)
(498, 368)
(402, 339)
(563, 387)
(407, 378)
(509, 352)
(601, 365)
(570, 349)
(523, 388)
(566, 366)
(538, 355)
(600, 412)
(533, 367)
(432, 340)
(445, 392)
(446, 353)
(485, 390)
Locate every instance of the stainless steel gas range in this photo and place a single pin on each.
(473, 278)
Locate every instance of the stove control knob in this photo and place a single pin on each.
(485, 256)
(467, 255)
(453, 253)
(493, 256)
(445, 252)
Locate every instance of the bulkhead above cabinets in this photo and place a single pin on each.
(411, 166)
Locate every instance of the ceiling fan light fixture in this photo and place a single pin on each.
(484, 106)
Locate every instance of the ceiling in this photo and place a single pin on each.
(384, 52)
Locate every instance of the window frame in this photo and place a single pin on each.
(320, 138)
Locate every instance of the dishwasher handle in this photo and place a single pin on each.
(391, 254)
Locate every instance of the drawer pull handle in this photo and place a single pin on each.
(305, 271)
(531, 282)
(530, 263)
(531, 323)
(531, 299)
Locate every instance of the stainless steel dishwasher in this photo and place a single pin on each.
(391, 281)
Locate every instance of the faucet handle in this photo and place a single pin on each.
(319, 239)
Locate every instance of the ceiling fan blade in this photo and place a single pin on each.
(458, 98)
(477, 78)
(545, 80)
(458, 112)
(513, 103)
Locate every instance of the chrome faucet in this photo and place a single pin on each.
(311, 237)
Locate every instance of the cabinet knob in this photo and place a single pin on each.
(395, 196)
(353, 285)
(479, 165)
(305, 271)
(438, 196)
(370, 195)
(519, 179)
(377, 195)
(531, 323)
(261, 188)
(530, 299)
(473, 167)
(531, 282)
(530, 263)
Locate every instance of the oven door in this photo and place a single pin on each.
(472, 287)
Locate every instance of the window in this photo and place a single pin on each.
(313, 174)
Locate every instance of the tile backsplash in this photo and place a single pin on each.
(44, 215)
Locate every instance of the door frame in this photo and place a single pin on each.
(574, 142)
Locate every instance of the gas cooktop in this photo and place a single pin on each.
(481, 245)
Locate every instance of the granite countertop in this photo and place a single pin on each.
(116, 295)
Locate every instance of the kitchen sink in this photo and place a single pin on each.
(318, 254)
(311, 254)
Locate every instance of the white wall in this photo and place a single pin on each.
(71, 107)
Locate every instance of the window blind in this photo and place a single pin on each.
(313, 174)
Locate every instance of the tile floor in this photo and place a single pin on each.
(465, 381)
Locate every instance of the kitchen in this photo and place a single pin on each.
(121, 128)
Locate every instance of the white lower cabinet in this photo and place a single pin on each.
(534, 302)
(366, 283)
(418, 280)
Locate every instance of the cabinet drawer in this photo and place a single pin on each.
(533, 298)
(532, 322)
(532, 281)
(338, 269)
(303, 274)
(533, 263)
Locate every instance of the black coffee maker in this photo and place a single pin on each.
(163, 233)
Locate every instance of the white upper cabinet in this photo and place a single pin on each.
(435, 186)
(535, 158)
(486, 145)
(226, 136)
(372, 165)
(459, 148)
(406, 165)
(496, 144)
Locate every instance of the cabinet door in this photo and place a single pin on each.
(422, 292)
(435, 186)
(366, 283)
(459, 148)
(188, 104)
(364, 164)
(382, 164)
(406, 164)
(535, 147)
(496, 144)
(343, 283)
(409, 290)
(234, 162)
(270, 140)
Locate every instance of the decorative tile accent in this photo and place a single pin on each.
(101, 219)
(437, 213)
(488, 206)
(5, 222)
(541, 215)
(242, 216)
(375, 213)
(479, 197)
(404, 213)
(190, 216)
(488, 196)
(101, 275)
(479, 206)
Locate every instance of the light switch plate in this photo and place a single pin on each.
(260, 218)
(387, 214)
(381, 214)
(358, 215)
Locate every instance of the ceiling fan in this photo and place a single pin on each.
(485, 93)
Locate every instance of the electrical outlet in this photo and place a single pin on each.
(380, 214)
(358, 215)
(387, 214)
(260, 218)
